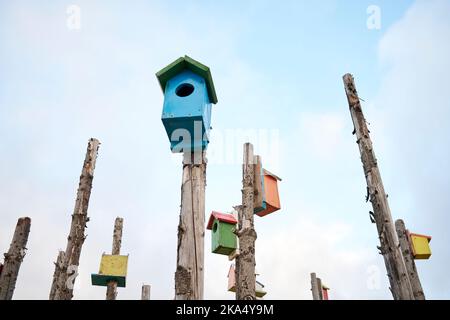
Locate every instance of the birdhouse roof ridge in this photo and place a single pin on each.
(419, 235)
(224, 217)
(187, 63)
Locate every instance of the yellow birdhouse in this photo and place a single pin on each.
(112, 268)
(420, 245)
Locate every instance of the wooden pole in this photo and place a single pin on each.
(111, 289)
(408, 257)
(63, 282)
(320, 288)
(58, 269)
(389, 246)
(245, 261)
(315, 287)
(14, 258)
(191, 229)
(145, 294)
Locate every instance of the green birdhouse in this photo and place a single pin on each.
(223, 238)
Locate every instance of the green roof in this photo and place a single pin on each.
(183, 63)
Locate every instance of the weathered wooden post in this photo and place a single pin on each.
(389, 246)
(190, 253)
(64, 277)
(145, 294)
(14, 258)
(188, 95)
(59, 265)
(111, 289)
(408, 257)
(320, 286)
(245, 261)
(315, 287)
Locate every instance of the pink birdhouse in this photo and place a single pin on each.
(232, 279)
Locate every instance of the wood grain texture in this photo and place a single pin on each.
(145, 292)
(319, 288)
(58, 269)
(258, 192)
(314, 287)
(245, 261)
(408, 257)
(14, 258)
(111, 289)
(389, 246)
(63, 282)
(191, 229)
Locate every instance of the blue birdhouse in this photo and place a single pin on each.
(188, 95)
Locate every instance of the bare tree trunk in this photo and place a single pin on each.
(59, 265)
(66, 278)
(111, 290)
(389, 246)
(408, 257)
(319, 288)
(14, 258)
(245, 261)
(145, 294)
(315, 287)
(191, 229)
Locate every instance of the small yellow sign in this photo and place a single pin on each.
(114, 265)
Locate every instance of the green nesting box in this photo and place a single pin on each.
(223, 238)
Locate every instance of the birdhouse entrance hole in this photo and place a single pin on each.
(215, 227)
(184, 90)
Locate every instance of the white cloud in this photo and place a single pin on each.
(306, 246)
(414, 110)
(286, 257)
(323, 133)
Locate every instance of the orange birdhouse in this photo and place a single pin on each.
(267, 199)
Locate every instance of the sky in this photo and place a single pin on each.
(71, 70)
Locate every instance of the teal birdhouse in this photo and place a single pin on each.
(223, 238)
(188, 95)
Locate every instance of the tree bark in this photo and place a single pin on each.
(145, 294)
(315, 287)
(389, 246)
(408, 257)
(319, 288)
(14, 258)
(66, 278)
(245, 261)
(59, 265)
(191, 229)
(111, 289)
